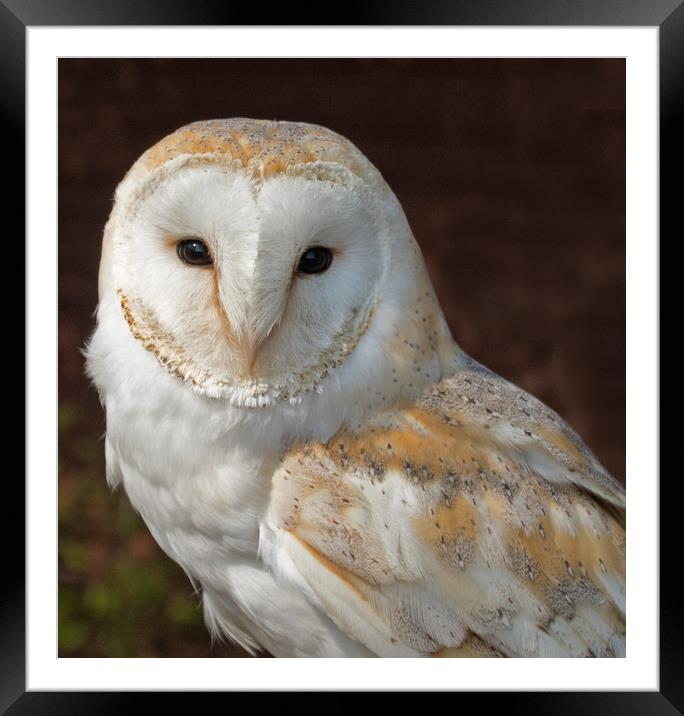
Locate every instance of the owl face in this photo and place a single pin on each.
(232, 284)
(266, 263)
(246, 281)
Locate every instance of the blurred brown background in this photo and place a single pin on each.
(512, 175)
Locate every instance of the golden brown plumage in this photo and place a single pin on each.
(472, 522)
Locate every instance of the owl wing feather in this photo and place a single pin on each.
(472, 522)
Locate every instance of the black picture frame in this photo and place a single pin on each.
(667, 15)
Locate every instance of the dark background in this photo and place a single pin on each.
(512, 175)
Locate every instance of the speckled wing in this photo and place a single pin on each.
(473, 522)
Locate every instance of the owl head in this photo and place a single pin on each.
(257, 260)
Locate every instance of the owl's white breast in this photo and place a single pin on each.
(199, 472)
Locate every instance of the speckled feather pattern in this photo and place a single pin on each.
(469, 513)
(262, 147)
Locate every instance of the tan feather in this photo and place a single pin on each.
(472, 522)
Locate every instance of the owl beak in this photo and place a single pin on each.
(250, 332)
(251, 342)
(249, 347)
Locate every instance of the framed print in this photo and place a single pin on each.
(527, 150)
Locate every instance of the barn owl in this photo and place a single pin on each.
(288, 412)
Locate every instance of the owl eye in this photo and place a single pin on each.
(194, 252)
(316, 259)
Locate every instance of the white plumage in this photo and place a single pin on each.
(312, 447)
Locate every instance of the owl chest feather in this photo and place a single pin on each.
(201, 496)
(204, 503)
(200, 476)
